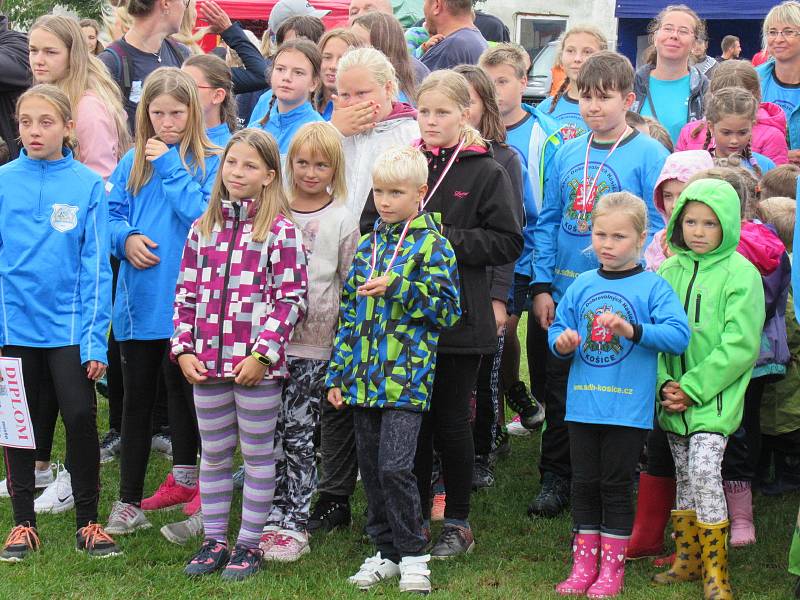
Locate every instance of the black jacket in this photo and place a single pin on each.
(479, 217)
(698, 86)
(15, 78)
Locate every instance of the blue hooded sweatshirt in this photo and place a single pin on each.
(163, 210)
(282, 126)
(55, 278)
(219, 135)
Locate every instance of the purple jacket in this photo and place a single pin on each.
(245, 293)
(773, 357)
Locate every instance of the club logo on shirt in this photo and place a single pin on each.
(577, 218)
(64, 217)
(570, 132)
(602, 347)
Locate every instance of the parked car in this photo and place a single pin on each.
(540, 77)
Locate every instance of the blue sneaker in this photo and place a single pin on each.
(212, 556)
(243, 563)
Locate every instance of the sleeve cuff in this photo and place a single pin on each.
(540, 288)
(638, 330)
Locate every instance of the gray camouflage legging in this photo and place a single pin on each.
(295, 466)
(698, 474)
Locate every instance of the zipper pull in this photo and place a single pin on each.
(236, 208)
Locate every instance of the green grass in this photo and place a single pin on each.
(514, 557)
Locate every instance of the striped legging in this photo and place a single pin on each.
(226, 411)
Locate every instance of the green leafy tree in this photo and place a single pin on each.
(22, 13)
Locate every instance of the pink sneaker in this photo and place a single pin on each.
(193, 506)
(288, 546)
(585, 548)
(437, 510)
(268, 537)
(169, 495)
(612, 567)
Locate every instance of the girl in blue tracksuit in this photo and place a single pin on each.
(159, 188)
(215, 89)
(55, 306)
(287, 106)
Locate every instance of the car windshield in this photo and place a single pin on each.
(544, 61)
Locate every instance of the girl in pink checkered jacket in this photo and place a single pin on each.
(240, 293)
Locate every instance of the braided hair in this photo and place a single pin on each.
(602, 44)
(308, 49)
(732, 101)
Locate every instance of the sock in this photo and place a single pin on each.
(185, 475)
(460, 522)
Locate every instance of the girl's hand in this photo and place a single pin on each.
(95, 370)
(544, 309)
(155, 148)
(374, 287)
(568, 341)
(335, 398)
(137, 251)
(249, 372)
(500, 315)
(350, 120)
(616, 324)
(193, 370)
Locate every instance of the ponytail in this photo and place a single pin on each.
(561, 91)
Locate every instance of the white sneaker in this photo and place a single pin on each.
(515, 427)
(161, 442)
(183, 531)
(126, 518)
(374, 570)
(57, 497)
(415, 575)
(287, 546)
(43, 478)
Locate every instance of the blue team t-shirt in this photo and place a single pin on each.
(568, 115)
(518, 136)
(785, 95)
(671, 102)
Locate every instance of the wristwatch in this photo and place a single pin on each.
(262, 359)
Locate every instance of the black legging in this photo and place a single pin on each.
(447, 424)
(74, 393)
(142, 363)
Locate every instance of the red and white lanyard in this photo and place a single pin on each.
(590, 190)
(422, 204)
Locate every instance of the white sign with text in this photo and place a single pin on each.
(16, 429)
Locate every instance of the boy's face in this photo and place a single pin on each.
(604, 112)
(396, 202)
(702, 231)
(507, 86)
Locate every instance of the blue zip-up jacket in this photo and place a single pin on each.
(163, 210)
(282, 126)
(55, 278)
(563, 232)
(219, 135)
(612, 379)
(766, 73)
(524, 264)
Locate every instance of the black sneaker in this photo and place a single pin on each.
(110, 446)
(502, 443)
(483, 472)
(22, 540)
(94, 540)
(453, 541)
(328, 515)
(553, 497)
(243, 563)
(212, 556)
(531, 413)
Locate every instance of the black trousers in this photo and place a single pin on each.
(488, 395)
(659, 457)
(338, 446)
(447, 424)
(536, 347)
(555, 436)
(142, 364)
(74, 393)
(386, 440)
(742, 453)
(604, 459)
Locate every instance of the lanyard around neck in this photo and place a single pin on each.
(590, 189)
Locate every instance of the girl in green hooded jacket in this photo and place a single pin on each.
(701, 392)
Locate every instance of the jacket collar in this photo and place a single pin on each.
(246, 209)
(61, 163)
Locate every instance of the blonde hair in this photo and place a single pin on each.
(55, 97)
(173, 82)
(86, 74)
(624, 203)
(785, 12)
(506, 53)
(372, 60)
(455, 87)
(602, 43)
(319, 138)
(779, 211)
(186, 34)
(401, 164)
(780, 181)
(732, 101)
(736, 178)
(659, 133)
(272, 200)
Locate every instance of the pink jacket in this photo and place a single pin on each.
(248, 294)
(98, 139)
(769, 134)
(759, 245)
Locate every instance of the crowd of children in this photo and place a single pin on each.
(337, 289)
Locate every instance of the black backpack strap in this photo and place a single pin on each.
(124, 69)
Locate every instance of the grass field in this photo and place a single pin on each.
(514, 557)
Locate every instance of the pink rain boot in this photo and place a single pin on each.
(612, 567)
(740, 510)
(585, 548)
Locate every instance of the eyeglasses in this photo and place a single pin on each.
(186, 3)
(787, 34)
(681, 31)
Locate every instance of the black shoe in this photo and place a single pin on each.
(211, 557)
(553, 497)
(502, 443)
(22, 540)
(243, 563)
(328, 515)
(483, 472)
(531, 413)
(94, 540)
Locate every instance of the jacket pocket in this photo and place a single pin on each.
(719, 404)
